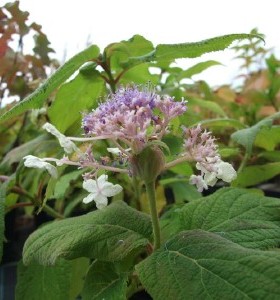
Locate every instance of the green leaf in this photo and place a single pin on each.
(103, 282)
(190, 50)
(37, 98)
(78, 95)
(220, 122)
(246, 137)
(256, 174)
(64, 182)
(129, 53)
(139, 75)
(198, 68)
(202, 265)
(209, 105)
(110, 234)
(36, 146)
(239, 215)
(63, 281)
(3, 187)
(270, 155)
(268, 138)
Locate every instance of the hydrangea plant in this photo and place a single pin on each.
(215, 247)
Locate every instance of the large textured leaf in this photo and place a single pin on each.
(202, 265)
(110, 234)
(103, 282)
(246, 137)
(64, 281)
(37, 98)
(189, 50)
(79, 94)
(244, 217)
(256, 174)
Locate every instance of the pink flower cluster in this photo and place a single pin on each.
(200, 147)
(132, 115)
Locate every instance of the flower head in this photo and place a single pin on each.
(200, 147)
(132, 115)
(31, 161)
(100, 190)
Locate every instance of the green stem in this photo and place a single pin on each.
(51, 212)
(151, 193)
(243, 162)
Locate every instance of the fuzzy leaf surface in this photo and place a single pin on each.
(103, 282)
(244, 217)
(109, 234)
(202, 265)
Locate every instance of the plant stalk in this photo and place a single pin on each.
(151, 193)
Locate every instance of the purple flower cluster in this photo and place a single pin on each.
(132, 115)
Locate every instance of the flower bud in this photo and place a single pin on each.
(148, 164)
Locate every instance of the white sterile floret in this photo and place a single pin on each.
(199, 182)
(115, 151)
(221, 170)
(100, 190)
(225, 171)
(64, 142)
(31, 161)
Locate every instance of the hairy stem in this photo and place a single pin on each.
(151, 193)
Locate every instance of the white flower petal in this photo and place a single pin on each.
(210, 178)
(115, 151)
(88, 198)
(64, 142)
(31, 161)
(101, 180)
(110, 189)
(199, 182)
(90, 186)
(52, 170)
(226, 172)
(101, 201)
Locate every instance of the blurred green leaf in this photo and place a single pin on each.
(3, 187)
(253, 175)
(209, 105)
(79, 94)
(220, 122)
(64, 182)
(37, 98)
(268, 138)
(198, 68)
(246, 137)
(39, 144)
(270, 155)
